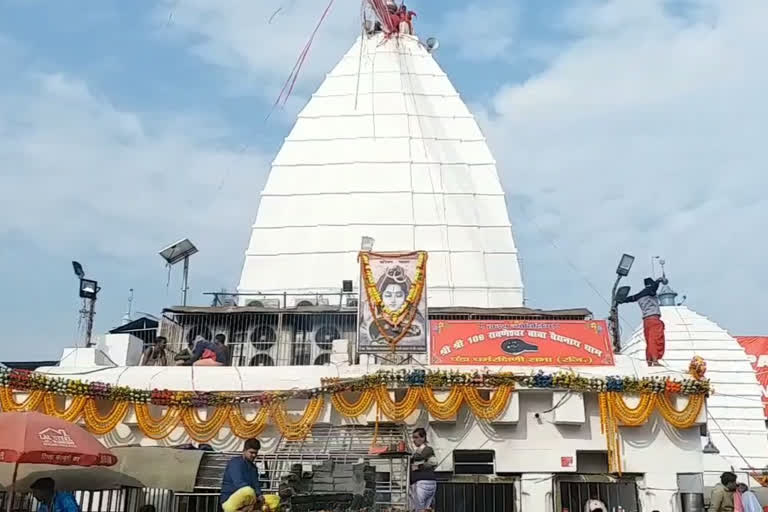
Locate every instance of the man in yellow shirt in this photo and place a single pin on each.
(722, 494)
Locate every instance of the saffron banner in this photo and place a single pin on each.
(520, 342)
(756, 348)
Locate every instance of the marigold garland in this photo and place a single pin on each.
(246, 429)
(446, 409)
(102, 425)
(614, 412)
(400, 410)
(71, 413)
(374, 389)
(296, 431)
(157, 428)
(8, 401)
(487, 409)
(680, 419)
(353, 410)
(201, 430)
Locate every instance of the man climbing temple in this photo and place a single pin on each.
(653, 326)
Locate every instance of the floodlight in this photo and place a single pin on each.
(176, 252)
(180, 251)
(78, 268)
(625, 265)
(366, 244)
(88, 288)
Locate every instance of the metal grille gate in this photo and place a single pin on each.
(620, 495)
(475, 497)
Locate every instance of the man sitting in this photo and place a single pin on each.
(51, 500)
(240, 486)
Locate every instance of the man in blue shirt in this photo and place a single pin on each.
(44, 491)
(242, 473)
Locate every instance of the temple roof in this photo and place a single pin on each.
(385, 148)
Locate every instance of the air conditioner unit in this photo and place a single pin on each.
(272, 303)
(322, 341)
(309, 300)
(352, 302)
(262, 346)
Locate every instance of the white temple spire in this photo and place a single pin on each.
(385, 148)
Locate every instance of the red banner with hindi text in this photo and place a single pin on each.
(520, 342)
(756, 348)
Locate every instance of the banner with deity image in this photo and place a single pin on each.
(393, 302)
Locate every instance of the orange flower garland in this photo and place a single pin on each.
(102, 425)
(446, 409)
(157, 428)
(487, 409)
(71, 413)
(400, 410)
(31, 403)
(295, 431)
(200, 430)
(245, 429)
(353, 410)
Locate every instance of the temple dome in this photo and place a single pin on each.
(735, 419)
(385, 148)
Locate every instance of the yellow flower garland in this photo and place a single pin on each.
(31, 403)
(400, 410)
(632, 417)
(614, 412)
(246, 429)
(200, 430)
(157, 428)
(71, 413)
(353, 410)
(487, 409)
(446, 409)
(296, 431)
(102, 425)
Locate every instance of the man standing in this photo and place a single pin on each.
(722, 494)
(44, 491)
(653, 327)
(240, 487)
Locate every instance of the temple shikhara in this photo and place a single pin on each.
(381, 293)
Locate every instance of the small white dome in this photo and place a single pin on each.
(735, 411)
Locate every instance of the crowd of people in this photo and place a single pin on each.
(199, 352)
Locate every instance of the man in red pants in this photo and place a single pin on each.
(653, 327)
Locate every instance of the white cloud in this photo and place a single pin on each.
(77, 170)
(646, 133)
(237, 36)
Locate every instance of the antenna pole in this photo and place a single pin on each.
(89, 322)
(185, 278)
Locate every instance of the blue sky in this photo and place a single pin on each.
(618, 126)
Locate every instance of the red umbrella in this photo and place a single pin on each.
(35, 438)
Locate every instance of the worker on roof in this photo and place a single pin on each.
(653, 327)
